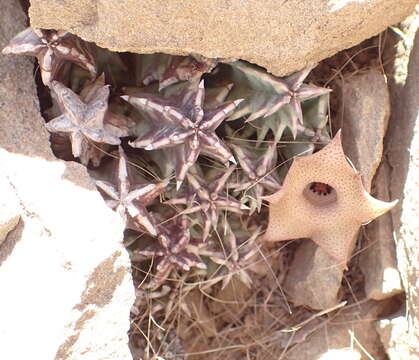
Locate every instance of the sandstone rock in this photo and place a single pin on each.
(365, 115)
(366, 111)
(282, 36)
(66, 287)
(9, 209)
(378, 260)
(314, 279)
(393, 336)
(402, 142)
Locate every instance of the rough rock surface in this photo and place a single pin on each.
(378, 258)
(393, 335)
(282, 36)
(66, 287)
(317, 283)
(365, 115)
(403, 158)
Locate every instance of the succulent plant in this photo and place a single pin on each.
(266, 93)
(258, 173)
(181, 125)
(207, 197)
(170, 69)
(51, 48)
(83, 121)
(130, 198)
(234, 249)
(171, 249)
(184, 124)
(90, 133)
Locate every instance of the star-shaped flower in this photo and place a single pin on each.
(267, 93)
(185, 125)
(257, 173)
(130, 200)
(172, 249)
(323, 198)
(51, 48)
(209, 197)
(84, 121)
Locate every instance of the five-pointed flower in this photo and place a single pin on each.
(51, 48)
(83, 121)
(323, 198)
(172, 249)
(208, 197)
(185, 125)
(130, 200)
(257, 173)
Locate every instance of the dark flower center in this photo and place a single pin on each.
(320, 188)
(320, 194)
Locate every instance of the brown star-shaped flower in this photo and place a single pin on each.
(130, 200)
(323, 198)
(84, 121)
(257, 173)
(172, 249)
(186, 125)
(209, 197)
(51, 48)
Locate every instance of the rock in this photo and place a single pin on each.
(257, 31)
(402, 142)
(342, 354)
(393, 333)
(9, 209)
(365, 115)
(378, 259)
(316, 283)
(349, 335)
(66, 287)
